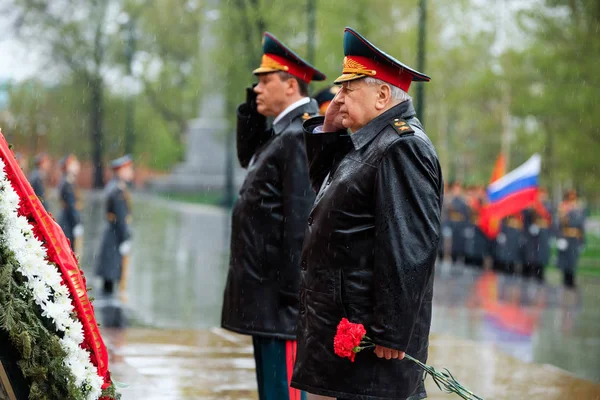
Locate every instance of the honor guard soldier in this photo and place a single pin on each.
(70, 217)
(269, 217)
(116, 241)
(37, 179)
(458, 217)
(324, 97)
(509, 243)
(537, 231)
(373, 232)
(571, 236)
(476, 243)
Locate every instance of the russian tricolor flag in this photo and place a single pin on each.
(512, 193)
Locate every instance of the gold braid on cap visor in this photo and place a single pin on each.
(268, 62)
(353, 67)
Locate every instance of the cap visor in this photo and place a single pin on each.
(265, 70)
(348, 77)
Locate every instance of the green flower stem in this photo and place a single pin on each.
(445, 381)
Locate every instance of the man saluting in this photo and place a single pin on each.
(373, 232)
(269, 217)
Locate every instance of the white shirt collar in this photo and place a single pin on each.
(293, 106)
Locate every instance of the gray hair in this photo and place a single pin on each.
(397, 93)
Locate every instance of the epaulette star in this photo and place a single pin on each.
(402, 127)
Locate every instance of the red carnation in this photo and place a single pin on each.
(346, 342)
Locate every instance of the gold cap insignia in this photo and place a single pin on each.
(268, 64)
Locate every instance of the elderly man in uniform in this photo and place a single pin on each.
(70, 217)
(571, 236)
(116, 241)
(38, 177)
(269, 217)
(372, 234)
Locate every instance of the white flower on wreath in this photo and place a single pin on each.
(44, 282)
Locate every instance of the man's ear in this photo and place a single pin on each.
(291, 86)
(384, 96)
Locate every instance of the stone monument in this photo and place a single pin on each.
(206, 158)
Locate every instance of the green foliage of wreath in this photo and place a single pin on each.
(33, 337)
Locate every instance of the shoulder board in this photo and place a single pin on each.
(402, 127)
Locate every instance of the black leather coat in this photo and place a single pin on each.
(369, 255)
(268, 223)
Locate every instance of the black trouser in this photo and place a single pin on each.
(569, 279)
(109, 286)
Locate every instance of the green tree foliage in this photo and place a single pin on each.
(558, 84)
(501, 81)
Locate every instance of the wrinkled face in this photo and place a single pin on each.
(272, 94)
(358, 103)
(126, 173)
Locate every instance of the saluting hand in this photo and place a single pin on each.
(387, 353)
(333, 117)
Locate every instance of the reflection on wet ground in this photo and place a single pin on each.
(216, 365)
(504, 337)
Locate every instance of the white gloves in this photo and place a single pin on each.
(125, 248)
(78, 230)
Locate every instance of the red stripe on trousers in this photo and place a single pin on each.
(290, 360)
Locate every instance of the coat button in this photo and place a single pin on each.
(310, 220)
(304, 265)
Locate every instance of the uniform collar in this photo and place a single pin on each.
(364, 135)
(304, 105)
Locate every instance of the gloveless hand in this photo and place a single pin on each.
(387, 353)
(333, 117)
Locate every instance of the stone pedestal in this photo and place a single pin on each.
(205, 165)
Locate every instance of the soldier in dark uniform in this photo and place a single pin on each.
(70, 217)
(372, 235)
(537, 221)
(324, 97)
(476, 243)
(458, 217)
(37, 179)
(116, 241)
(571, 236)
(509, 243)
(269, 217)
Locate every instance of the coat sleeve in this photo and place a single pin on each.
(70, 202)
(251, 133)
(408, 199)
(121, 212)
(298, 199)
(323, 150)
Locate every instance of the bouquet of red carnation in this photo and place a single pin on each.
(352, 338)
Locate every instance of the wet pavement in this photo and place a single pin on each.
(503, 337)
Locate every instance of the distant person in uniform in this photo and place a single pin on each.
(509, 243)
(268, 221)
(70, 217)
(38, 177)
(324, 97)
(537, 221)
(476, 243)
(571, 236)
(458, 217)
(116, 241)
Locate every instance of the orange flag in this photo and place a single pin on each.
(499, 168)
(489, 224)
